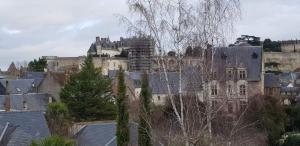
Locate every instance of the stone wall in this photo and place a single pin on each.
(60, 64)
(288, 61)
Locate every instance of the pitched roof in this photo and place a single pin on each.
(272, 81)
(158, 82)
(24, 127)
(18, 86)
(249, 57)
(103, 135)
(35, 102)
(37, 76)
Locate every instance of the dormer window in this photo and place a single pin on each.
(18, 89)
(229, 73)
(242, 90)
(242, 74)
(214, 90)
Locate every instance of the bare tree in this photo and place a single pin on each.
(175, 25)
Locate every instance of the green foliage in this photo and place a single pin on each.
(271, 46)
(122, 133)
(293, 113)
(87, 94)
(37, 65)
(268, 64)
(144, 131)
(271, 116)
(292, 140)
(53, 141)
(58, 119)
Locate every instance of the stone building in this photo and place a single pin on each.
(290, 46)
(236, 76)
(287, 60)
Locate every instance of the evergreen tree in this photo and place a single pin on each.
(144, 132)
(58, 119)
(37, 65)
(123, 115)
(87, 94)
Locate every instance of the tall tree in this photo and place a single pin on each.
(37, 65)
(123, 134)
(58, 119)
(177, 24)
(144, 136)
(87, 94)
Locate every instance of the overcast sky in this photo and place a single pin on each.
(33, 28)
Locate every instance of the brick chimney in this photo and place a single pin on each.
(25, 105)
(97, 40)
(7, 98)
(7, 103)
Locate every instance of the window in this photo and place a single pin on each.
(214, 90)
(242, 90)
(214, 104)
(229, 90)
(214, 75)
(229, 74)
(243, 105)
(242, 74)
(230, 107)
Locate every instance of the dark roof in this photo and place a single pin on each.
(37, 76)
(92, 48)
(272, 81)
(103, 135)
(112, 74)
(137, 78)
(158, 82)
(35, 102)
(249, 57)
(19, 86)
(23, 127)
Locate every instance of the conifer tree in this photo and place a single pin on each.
(122, 132)
(144, 132)
(87, 94)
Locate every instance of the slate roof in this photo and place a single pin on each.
(37, 76)
(23, 127)
(18, 86)
(35, 102)
(137, 78)
(249, 57)
(103, 135)
(158, 83)
(272, 81)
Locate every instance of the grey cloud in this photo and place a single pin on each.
(33, 28)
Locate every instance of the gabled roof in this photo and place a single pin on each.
(37, 76)
(158, 82)
(35, 102)
(103, 135)
(18, 86)
(272, 81)
(249, 57)
(24, 127)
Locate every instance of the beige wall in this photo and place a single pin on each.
(59, 63)
(288, 61)
(293, 47)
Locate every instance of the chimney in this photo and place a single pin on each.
(25, 105)
(50, 99)
(7, 103)
(97, 40)
(6, 87)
